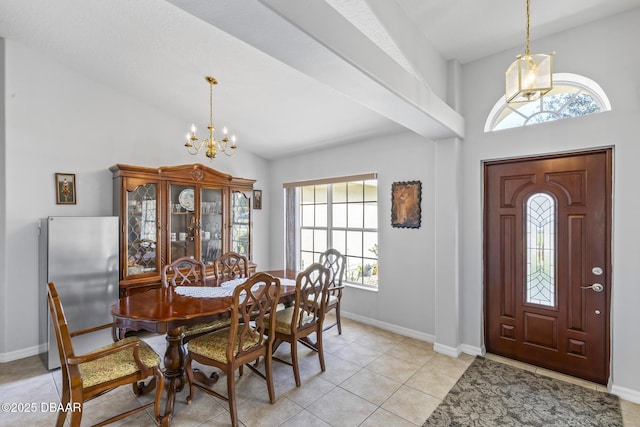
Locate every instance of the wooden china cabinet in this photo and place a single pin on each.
(175, 211)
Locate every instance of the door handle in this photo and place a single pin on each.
(596, 287)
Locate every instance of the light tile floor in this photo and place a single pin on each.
(373, 378)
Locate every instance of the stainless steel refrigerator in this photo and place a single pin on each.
(79, 255)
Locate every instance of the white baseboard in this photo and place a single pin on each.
(446, 350)
(22, 353)
(472, 350)
(439, 348)
(389, 327)
(626, 393)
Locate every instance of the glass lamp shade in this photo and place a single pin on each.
(529, 77)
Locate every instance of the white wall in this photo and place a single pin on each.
(406, 257)
(3, 180)
(60, 121)
(602, 52)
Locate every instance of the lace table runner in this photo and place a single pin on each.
(224, 290)
(204, 291)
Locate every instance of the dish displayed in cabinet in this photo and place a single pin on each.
(186, 199)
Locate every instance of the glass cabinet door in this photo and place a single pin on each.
(211, 208)
(142, 229)
(240, 223)
(183, 225)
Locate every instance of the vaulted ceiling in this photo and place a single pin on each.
(293, 74)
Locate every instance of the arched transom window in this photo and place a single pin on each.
(572, 96)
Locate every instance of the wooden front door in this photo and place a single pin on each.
(547, 258)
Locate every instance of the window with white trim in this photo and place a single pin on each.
(339, 213)
(572, 96)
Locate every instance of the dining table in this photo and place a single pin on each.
(168, 310)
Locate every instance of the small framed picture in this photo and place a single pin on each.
(406, 198)
(65, 188)
(257, 199)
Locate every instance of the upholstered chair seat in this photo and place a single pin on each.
(214, 345)
(202, 328)
(284, 319)
(117, 365)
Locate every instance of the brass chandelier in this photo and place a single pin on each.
(529, 76)
(212, 144)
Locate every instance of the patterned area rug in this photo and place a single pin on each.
(494, 394)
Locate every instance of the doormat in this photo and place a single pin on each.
(494, 394)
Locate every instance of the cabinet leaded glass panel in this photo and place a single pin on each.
(540, 250)
(141, 229)
(240, 223)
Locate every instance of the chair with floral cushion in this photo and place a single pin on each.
(335, 262)
(294, 324)
(86, 376)
(187, 271)
(231, 265)
(243, 342)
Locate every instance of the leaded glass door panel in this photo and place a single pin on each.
(241, 223)
(547, 262)
(141, 228)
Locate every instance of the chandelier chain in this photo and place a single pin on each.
(526, 52)
(211, 104)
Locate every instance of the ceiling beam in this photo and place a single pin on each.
(316, 40)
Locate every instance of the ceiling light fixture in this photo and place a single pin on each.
(530, 76)
(212, 144)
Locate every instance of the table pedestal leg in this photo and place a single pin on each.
(174, 371)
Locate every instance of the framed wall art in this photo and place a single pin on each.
(406, 198)
(65, 188)
(257, 199)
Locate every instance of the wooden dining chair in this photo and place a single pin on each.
(296, 323)
(231, 265)
(187, 271)
(184, 271)
(335, 262)
(243, 342)
(86, 376)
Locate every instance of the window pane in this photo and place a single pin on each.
(308, 218)
(370, 243)
(541, 286)
(354, 243)
(371, 190)
(307, 195)
(319, 240)
(356, 215)
(354, 269)
(339, 241)
(339, 192)
(371, 215)
(321, 215)
(306, 240)
(307, 258)
(321, 193)
(340, 215)
(355, 191)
